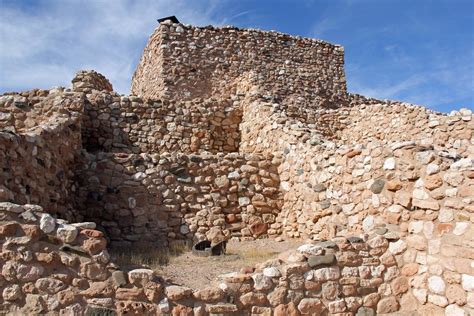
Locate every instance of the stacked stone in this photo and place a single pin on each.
(187, 62)
(51, 266)
(376, 159)
(47, 264)
(400, 122)
(164, 197)
(129, 124)
(26, 111)
(35, 166)
(88, 80)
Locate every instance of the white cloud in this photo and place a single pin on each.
(44, 46)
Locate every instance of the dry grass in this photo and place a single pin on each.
(146, 255)
(178, 265)
(251, 256)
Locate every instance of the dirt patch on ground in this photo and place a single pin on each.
(198, 272)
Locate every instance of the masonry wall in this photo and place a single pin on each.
(129, 124)
(152, 197)
(190, 62)
(39, 142)
(51, 266)
(237, 133)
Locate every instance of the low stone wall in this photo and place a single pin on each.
(35, 166)
(158, 197)
(50, 266)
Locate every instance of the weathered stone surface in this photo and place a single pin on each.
(467, 282)
(286, 310)
(310, 306)
(261, 282)
(67, 233)
(438, 300)
(454, 310)
(456, 294)
(176, 293)
(49, 285)
(337, 306)
(315, 261)
(135, 294)
(277, 296)
(421, 295)
(436, 284)
(389, 164)
(140, 277)
(377, 186)
(47, 223)
(399, 285)
(209, 294)
(94, 271)
(327, 274)
(271, 272)
(387, 305)
(12, 292)
(310, 249)
(221, 308)
(253, 299)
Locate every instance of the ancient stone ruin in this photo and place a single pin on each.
(235, 134)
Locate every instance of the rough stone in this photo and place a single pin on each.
(387, 305)
(315, 261)
(175, 292)
(47, 223)
(66, 233)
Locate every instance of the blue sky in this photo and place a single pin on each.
(418, 51)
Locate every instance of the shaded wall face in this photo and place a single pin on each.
(158, 197)
(187, 62)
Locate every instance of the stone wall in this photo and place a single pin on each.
(186, 62)
(398, 122)
(129, 124)
(88, 80)
(316, 173)
(38, 146)
(343, 177)
(152, 197)
(51, 266)
(244, 134)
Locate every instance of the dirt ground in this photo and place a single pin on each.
(198, 272)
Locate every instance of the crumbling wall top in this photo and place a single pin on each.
(87, 80)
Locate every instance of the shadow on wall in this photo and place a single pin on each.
(155, 198)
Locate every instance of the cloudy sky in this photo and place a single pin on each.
(419, 51)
